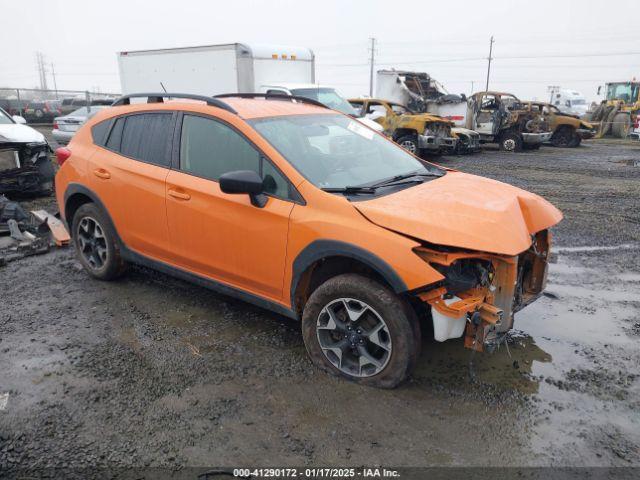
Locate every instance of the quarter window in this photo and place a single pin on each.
(99, 132)
(115, 137)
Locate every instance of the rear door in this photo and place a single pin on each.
(129, 174)
(224, 236)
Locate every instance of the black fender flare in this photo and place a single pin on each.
(74, 188)
(319, 249)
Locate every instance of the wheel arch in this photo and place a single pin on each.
(77, 195)
(401, 132)
(324, 259)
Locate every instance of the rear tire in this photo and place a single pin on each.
(563, 137)
(96, 243)
(355, 328)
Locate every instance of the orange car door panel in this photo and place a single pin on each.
(225, 237)
(219, 235)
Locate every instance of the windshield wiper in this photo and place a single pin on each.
(406, 176)
(350, 189)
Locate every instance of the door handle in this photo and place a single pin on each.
(179, 195)
(102, 173)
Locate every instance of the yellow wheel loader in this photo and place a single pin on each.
(619, 112)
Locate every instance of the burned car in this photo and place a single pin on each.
(419, 133)
(25, 167)
(567, 130)
(497, 117)
(503, 119)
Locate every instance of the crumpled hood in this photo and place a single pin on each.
(465, 211)
(428, 118)
(16, 132)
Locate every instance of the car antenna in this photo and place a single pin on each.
(162, 85)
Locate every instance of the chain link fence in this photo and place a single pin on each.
(38, 106)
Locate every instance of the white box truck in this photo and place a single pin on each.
(214, 69)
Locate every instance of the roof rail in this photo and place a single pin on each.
(159, 98)
(273, 96)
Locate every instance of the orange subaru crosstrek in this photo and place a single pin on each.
(305, 211)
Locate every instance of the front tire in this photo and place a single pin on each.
(96, 244)
(621, 125)
(409, 143)
(511, 142)
(355, 328)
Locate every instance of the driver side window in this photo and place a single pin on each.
(209, 148)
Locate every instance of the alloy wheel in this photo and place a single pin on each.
(354, 337)
(509, 144)
(92, 243)
(409, 145)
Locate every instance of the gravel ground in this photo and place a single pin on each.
(151, 371)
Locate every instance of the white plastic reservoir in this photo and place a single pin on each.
(445, 327)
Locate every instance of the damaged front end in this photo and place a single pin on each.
(25, 168)
(481, 292)
(437, 137)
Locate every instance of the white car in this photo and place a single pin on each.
(64, 128)
(320, 93)
(25, 166)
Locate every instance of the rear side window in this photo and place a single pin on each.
(99, 132)
(146, 137)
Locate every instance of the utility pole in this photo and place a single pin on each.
(42, 70)
(373, 54)
(489, 65)
(55, 84)
(472, 82)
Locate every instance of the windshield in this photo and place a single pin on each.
(328, 97)
(627, 92)
(334, 151)
(5, 119)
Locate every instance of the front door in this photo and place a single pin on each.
(486, 116)
(223, 236)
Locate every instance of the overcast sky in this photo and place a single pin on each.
(574, 44)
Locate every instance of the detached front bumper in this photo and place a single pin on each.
(585, 133)
(536, 138)
(431, 142)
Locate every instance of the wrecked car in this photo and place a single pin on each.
(497, 117)
(25, 167)
(419, 133)
(503, 119)
(308, 213)
(567, 130)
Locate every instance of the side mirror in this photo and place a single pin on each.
(19, 119)
(244, 181)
